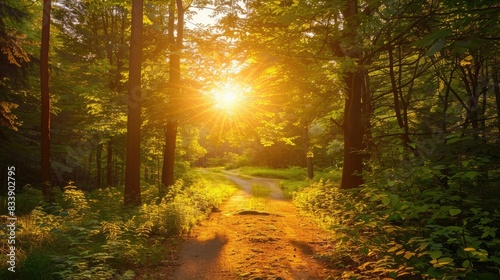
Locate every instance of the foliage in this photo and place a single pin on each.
(92, 236)
(398, 226)
(292, 173)
(293, 178)
(260, 191)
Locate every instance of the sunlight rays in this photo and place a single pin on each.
(229, 97)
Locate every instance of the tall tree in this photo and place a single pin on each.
(45, 92)
(12, 58)
(176, 37)
(313, 27)
(132, 171)
(357, 97)
(105, 53)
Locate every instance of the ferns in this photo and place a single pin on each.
(92, 236)
(388, 233)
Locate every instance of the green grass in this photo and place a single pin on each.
(293, 178)
(290, 186)
(260, 191)
(292, 173)
(91, 233)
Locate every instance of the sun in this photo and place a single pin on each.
(229, 97)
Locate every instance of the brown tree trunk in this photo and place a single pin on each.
(355, 106)
(89, 168)
(307, 154)
(496, 89)
(353, 132)
(168, 178)
(98, 157)
(45, 103)
(132, 195)
(172, 124)
(109, 164)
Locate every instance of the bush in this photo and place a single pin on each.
(233, 160)
(92, 236)
(26, 200)
(291, 173)
(400, 226)
(183, 207)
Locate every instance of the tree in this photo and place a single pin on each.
(176, 37)
(326, 31)
(132, 171)
(100, 60)
(45, 92)
(12, 59)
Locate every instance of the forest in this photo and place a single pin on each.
(122, 124)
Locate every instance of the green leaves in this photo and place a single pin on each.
(455, 211)
(436, 47)
(436, 40)
(435, 254)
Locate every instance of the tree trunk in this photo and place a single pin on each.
(132, 170)
(353, 132)
(98, 157)
(45, 103)
(496, 89)
(168, 178)
(89, 168)
(109, 164)
(308, 155)
(400, 104)
(116, 174)
(355, 106)
(175, 91)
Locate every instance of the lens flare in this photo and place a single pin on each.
(229, 97)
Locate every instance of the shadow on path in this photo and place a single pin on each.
(278, 246)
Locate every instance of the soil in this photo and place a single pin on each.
(252, 238)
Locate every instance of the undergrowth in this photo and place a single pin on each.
(260, 191)
(293, 178)
(403, 224)
(92, 236)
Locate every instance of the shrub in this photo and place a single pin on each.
(92, 236)
(398, 226)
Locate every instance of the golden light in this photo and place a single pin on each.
(229, 97)
(231, 108)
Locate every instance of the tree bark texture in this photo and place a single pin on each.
(132, 169)
(168, 178)
(176, 41)
(45, 103)
(98, 165)
(109, 164)
(355, 82)
(353, 132)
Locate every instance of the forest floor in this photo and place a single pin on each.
(251, 237)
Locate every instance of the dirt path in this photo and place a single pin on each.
(274, 243)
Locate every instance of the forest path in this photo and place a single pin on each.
(273, 242)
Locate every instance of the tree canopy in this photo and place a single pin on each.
(402, 97)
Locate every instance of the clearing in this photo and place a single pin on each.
(259, 236)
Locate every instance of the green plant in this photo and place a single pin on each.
(292, 173)
(90, 235)
(405, 222)
(260, 191)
